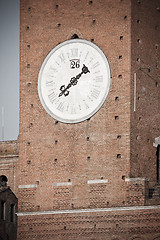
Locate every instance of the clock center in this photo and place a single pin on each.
(74, 80)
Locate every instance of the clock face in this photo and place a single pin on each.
(74, 81)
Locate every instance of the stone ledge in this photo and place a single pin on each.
(155, 207)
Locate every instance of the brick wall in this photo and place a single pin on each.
(112, 224)
(99, 148)
(145, 121)
(92, 164)
(8, 162)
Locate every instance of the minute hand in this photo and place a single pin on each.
(73, 82)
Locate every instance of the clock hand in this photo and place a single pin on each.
(73, 82)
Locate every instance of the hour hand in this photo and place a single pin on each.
(85, 69)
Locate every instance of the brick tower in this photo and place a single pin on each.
(97, 179)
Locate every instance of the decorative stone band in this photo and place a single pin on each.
(9, 156)
(155, 207)
(62, 184)
(135, 179)
(28, 186)
(97, 181)
(65, 183)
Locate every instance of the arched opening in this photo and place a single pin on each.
(157, 163)
(74, 36)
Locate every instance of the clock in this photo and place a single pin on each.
(74, 81)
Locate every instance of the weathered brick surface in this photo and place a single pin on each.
(117, 224)
(104, 147)
(78, 159)
(145, 121)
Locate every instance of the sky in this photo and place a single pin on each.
(9, 69)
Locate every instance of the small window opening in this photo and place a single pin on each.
(117, 98)
(3, 210)
(12, 212)
(151, 190)
(120, 76)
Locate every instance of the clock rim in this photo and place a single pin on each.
(97, 108)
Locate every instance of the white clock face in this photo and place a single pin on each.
(74, 81)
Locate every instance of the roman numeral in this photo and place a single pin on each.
(53, 69)
(74, 52)
(62, 58)
(86, 56)
(99, 78)
(73, 110)
(49, 83)
(97, 64)
(86, 105)
(52, 97)
(61, 107)
(95, 93)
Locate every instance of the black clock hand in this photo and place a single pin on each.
(73, 82)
